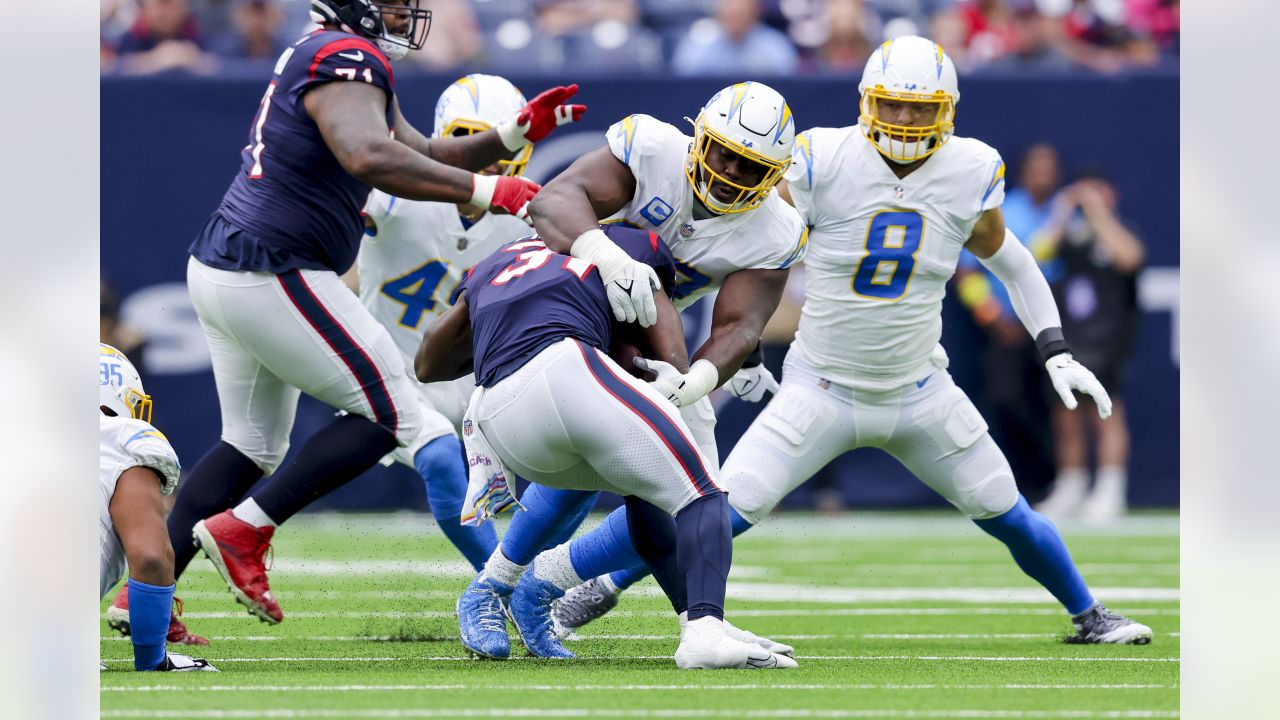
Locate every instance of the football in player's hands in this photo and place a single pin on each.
(625, 354)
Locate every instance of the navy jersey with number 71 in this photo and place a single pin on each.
(525, 297)
(292, 205)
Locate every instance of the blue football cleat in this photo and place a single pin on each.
(482, 619)
(531, 611)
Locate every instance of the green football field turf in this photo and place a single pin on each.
(892, 616)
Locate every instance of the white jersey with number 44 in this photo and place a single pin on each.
(409, 268)
(768, 237)
(881, 250)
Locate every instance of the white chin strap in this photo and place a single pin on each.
(912, 150)
(393, 51)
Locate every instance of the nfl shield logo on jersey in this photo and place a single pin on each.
(466, 427)
(686, 230)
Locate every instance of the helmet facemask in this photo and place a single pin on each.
(515, 167)
(702, 176)
(366, 18)
(905, 144)
(139, 405)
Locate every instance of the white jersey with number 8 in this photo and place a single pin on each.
(881, 252)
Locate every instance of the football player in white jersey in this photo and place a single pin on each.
(709, 198)
(412, 257)
(890, 203)
(137, 466)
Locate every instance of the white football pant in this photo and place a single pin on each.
(931, 427)
(572, 418)
(271, 336)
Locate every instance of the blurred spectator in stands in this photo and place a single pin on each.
(1097, 295)
(165, 36)
(990, 33)
(559, 17)
(216, 17)
(1157, 19)
(1098, 36)
(455, 38)
(736, 43)
(1014, 405)
(852, 32)
(257, 34)
(951, 31)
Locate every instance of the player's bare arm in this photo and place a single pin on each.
(137, 511)
(473, 152)
(594, 187)
(446, 350)
(666, 337)
(784, 192)
(746, 301)
(987, 235)
(351, 118)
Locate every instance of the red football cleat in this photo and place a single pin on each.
(239, 551)
(118, 620)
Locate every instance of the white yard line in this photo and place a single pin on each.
(826, 636)
(930, 658)
(597, 713)
(735, 613)
(611, 688)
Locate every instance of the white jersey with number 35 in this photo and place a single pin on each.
(881, 250)
(412, 264)
(126, 443)
(769, 237)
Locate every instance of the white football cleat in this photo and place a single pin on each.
(704, 645)
(745, 636)
(173, 662)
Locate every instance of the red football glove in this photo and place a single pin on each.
(503, 194)
(542, 115)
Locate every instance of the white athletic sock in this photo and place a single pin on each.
(248, 511)
(1112, 479)
(499, 569)
(607, 580)
(555, 567)
(1072, 480)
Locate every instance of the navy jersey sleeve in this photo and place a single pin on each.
(648, 248)
(344, 58)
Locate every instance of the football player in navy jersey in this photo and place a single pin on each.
(554, 408)
(264, 278)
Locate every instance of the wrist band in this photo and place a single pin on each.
(1050, 342)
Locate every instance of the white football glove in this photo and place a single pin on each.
(1066, 375)
(173, 662)
(629, 284)
(752, 383)
(681, 388)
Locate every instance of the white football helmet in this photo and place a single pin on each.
(476, 103)
(753, 121)
(120, 386)
(913, 70)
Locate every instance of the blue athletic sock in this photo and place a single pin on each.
(1038, 549)
(545, 514)
(705, 553)
(569, 525)
(623, 579)
(607, 547)
(444, 470)
(149, 608)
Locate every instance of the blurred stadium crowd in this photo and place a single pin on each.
(684, 37)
